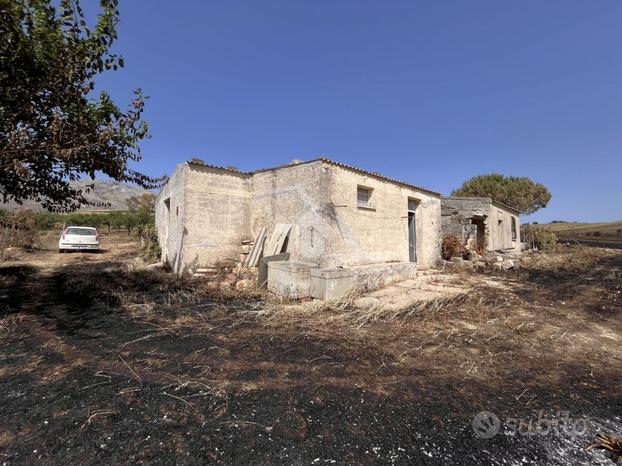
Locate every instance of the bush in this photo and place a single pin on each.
(19, 230)
(452, 247)
(540, 238)
(151, 251)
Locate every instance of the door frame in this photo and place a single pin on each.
(413, 204)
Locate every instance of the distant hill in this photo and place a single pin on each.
(605, 234)
(106, 195)
(603, 229)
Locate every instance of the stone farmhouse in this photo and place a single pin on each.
(482, 223)
(318, 228)
(339, 226)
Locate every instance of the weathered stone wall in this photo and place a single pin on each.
(329, 229)
(298, 195)
(380, 233)
(213, 210)
(457, 214)
(169, 217)
(500, 225)
(217, 215)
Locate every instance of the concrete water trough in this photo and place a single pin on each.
(290, 278)
(297, 280)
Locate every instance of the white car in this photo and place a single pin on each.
(78, 239)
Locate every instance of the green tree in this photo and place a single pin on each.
(518, 192)
(47, 220)
(143, 207)
(131, 221)
(53, 128)
(116, 220)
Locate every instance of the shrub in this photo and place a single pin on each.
(19, 230)
(151, 251)
(540, 238)
(481, 247)
(452, 247)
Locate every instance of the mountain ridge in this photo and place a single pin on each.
(106, 195)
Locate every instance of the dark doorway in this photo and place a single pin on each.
(412, 251)
(412, 230)
(480, 240)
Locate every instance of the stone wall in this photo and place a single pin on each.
(458, 214)
(500, 225)
(296, 195)
(330, 229)
(379, 233)
(169, 217)
(217, 215)
(213, 210)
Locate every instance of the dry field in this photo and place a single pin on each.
(102, 361)
(581, 229)
(602, 234)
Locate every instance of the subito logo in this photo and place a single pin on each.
(486, 424)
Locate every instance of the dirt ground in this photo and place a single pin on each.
(102, 361)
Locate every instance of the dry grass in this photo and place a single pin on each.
(464, 329)
(9, 323)
(568, 258)
(345, 311)
(115, 284)
(479, 329)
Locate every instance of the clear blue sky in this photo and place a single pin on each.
(431, 92)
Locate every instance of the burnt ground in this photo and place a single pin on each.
(100, 363)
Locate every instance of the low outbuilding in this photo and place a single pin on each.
(482, 223)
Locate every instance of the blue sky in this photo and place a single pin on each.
(431, 92)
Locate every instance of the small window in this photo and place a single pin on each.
(513, 228)
(363, 197)
(412, 204)
(81, 231)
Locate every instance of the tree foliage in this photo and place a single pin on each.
(111, 220)
(145, 203)
(53, 128)
(518, 192)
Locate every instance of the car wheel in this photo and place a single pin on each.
(60, 251)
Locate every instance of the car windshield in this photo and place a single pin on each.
(81, 231)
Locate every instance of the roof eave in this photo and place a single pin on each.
(324, 160)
